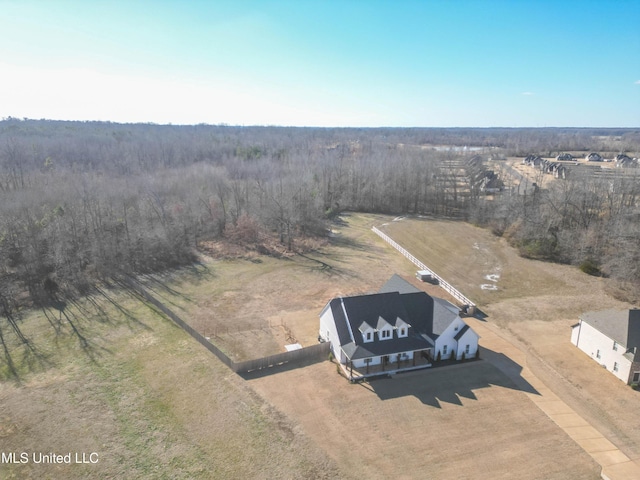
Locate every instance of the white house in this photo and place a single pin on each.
(397, 326)
(611, 338)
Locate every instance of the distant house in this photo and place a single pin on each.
(560, 172)
(593, 157)
(491, 183)
(532, 160)
(399, 328)
(611, 338)
(564, 157)
(624, 161)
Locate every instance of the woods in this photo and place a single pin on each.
(87, 202)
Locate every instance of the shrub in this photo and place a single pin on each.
(590, 267)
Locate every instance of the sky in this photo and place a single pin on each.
(328, 63)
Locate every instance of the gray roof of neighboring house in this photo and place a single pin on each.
(623, 326)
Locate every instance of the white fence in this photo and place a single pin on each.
(445, 285)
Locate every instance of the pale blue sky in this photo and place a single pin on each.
(323, 63)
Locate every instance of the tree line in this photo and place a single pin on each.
(86, 202)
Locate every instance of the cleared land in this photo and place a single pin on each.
(467, 422)
(153, 402)
(534, 304)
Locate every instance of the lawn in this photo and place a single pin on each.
(149, 400)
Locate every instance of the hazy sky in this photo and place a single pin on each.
(323, 63)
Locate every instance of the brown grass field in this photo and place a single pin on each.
(155, 404)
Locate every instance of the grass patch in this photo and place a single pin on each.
(148, 399)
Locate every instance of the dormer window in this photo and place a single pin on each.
(384, 329)
(615, 346)
(367, 332)
(402, 328)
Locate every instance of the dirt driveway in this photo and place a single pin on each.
(464, 422)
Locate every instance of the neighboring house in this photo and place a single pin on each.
(565, 157)
(593, 157)
(532, 160)
(611, 338)
(560, 172)
(624, 161)
(395, 328)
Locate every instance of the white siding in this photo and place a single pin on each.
(447, 338)
(596, 344)
(329, 333)
(574, 334)
(469, 338)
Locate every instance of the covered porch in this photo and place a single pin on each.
(376, 366)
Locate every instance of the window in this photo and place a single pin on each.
(466, 350)
(598, 353)
(368, 335)
(444, 349)
(615, 346)
(385, 334)
(615, 366)
(402, 332)
(636, 377)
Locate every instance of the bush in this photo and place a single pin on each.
(541, 248)
(590, 267)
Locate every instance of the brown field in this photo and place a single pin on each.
(466, 422)
(535, 305)
(155, 404)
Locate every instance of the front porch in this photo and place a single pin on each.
(421, 359)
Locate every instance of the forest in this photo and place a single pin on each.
(86, 203)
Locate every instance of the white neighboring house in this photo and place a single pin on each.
(395, 327)
(611, 338)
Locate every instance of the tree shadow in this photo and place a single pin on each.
(127, 314)
(453, 383)
(159, 286)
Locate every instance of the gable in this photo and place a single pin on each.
(444, 313)
(398, 284)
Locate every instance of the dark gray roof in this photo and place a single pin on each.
(398, 284)
(461, 332)
(623, 326)
(373, 309)
(443, 314)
